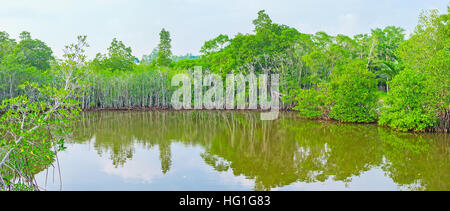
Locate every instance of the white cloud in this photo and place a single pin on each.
(140, 169)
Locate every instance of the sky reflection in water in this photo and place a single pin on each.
(207, 150)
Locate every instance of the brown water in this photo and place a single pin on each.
(211, 150)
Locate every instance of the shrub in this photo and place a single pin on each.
(313, 102)
(353, 93)
(409, 103)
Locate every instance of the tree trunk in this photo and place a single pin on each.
(11, 87)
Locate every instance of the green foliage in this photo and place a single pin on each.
(41, 135)
(164, 46)
(118, 58)
(318, 73)
(37, 54)
(420, 97)
(386, 41)
(187, 64)
(21, 62)
(262, 22)
(408, 102)
(145, 86)
(353, 92)
(313, 102)
(379, 49)
(32, 131)
(350, 96)
(215, 44)
(223, 54)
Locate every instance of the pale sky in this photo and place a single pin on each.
(192, 22)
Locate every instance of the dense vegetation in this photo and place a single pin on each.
(33, 126)
(364, 78)
(359, 79)
(376, 77)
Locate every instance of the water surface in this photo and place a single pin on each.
(210, 150)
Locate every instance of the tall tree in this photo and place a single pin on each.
(36, 52)
(119, 57)
(215, 44)
(164, 52)
(420, 97)
(262, 22)
(14, 66)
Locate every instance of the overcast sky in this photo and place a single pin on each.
(191, 22)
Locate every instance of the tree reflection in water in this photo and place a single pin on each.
(274, 153)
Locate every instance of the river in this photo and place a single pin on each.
(235, 150)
